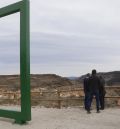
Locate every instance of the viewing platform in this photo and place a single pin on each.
(68, 118)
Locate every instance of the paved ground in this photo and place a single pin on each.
(71, 118)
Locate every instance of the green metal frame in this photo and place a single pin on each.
(25, 113)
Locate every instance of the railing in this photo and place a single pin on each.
(15, 96)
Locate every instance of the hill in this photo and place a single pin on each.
(53, 81)
(111, 78)
(46, 81)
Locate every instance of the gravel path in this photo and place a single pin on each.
(70, 118)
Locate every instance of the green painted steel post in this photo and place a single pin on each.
(25, 61)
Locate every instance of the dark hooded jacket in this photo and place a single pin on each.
(94, 83)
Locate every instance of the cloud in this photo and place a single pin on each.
(67, 36)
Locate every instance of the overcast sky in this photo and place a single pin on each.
(68, 37)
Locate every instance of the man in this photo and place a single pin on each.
(86, 90)
(94, 84)
(102, 93)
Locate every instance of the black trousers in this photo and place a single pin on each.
(96, 94)
(86, 100)
(102, 101)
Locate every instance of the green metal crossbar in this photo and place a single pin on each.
(25, 113)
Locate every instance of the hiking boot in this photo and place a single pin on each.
(88, 112)
(101, 108)
(98, 111)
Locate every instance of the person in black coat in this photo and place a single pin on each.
(94, 84)
(86, 90)
(102, 93)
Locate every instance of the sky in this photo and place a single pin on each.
(68, 37)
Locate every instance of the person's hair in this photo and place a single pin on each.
(94, 72)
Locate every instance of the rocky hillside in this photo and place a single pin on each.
(47, 81)
(111, 78)
(52, 81)
(51, 86)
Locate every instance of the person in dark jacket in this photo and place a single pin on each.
(102, 93)
(94, 84)
(86, 90)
